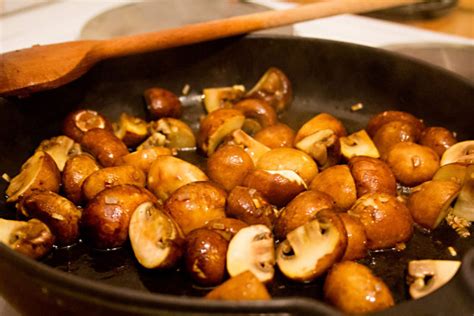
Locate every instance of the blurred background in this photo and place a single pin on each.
(438, 31)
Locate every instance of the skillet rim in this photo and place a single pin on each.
(105, 293)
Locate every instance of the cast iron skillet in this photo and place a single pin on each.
(327, 76)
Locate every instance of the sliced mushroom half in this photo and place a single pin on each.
(464, 206)
(453, 172)
(222, 97)
(430, 275)
(38, 173)
(462, 152)
(254, 148)
(311, 249)
(131, 130)
(323, 146)
(216, 126)
(156, 239)
(358, 144)
(60, 148)
(177, 133)
(32, 238)
(252, 249)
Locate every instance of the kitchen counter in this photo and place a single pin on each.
(62, 21)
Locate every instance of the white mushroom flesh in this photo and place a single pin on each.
(216, 98)
(153, 236)
(358, 144)
(227, 127)
(462, 152)
(178, 134)
(254, 148)
(316, 145)
(252, 249)
(429, 275)
(27, 176)
(299, 254)
(60, 149)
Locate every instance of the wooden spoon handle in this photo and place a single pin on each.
(200, 32)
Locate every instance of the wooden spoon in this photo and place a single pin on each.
(43, 67)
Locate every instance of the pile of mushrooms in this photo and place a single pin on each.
(305, 203)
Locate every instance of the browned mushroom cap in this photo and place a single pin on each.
(353, 289)
(250, 206)
(226, 227)
(105, 220)
(275, 136)
(60, 214)
(177, 133)
(75, 172)
(429, 203)
(337, 181)
(252, 249)
(81, 121)
(156, 239)
(278, 187)
(60, 148)
(104, 146)
(131, 130)
(411, 163)
(168, 173)
(275, 88)
(205, 256)
(228, 166)
(437, 138)
(381, 119)
(144, 158)
(386, 220)
(462, 152)
(321, 122)
(38, 173)
(162, 103)
(243, 286)
(109, 177)
(358, 144)
(195, 204)
(221, 97)
(356, 237)
(258, 110)
(216, 126)
(429, 275)
(32, 238)
(395, 132)
(372, 175)
(302, 209)
(311, 249)
(289, 159)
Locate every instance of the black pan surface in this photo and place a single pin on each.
(327, 76)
